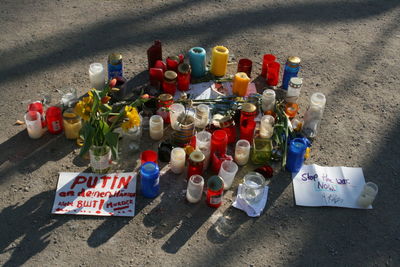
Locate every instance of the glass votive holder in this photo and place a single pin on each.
(245, 65)
(72, 124)
(253, 187)
(227, 172)
(219, 142)
(156, 127)
(175, 110)
(368, 195)
(267, 59)
(178, 159)
(33, 123)
(273, 73)
(148, 156)
(195, 188)
(291, 110)
(242, 152)
(267, 126)
(201, 118)
(97, 76)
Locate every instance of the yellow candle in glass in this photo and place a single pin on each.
(72, 124)
(219, 60)
(240, 84)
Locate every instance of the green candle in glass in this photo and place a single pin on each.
(261, 150)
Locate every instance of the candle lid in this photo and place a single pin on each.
(114, 59)
(198, 50)
(70, 115)
(175, 58)
(196, 157)
(184, 68)
(149, 168)
(296, 82)
(215, 183)
(221, 49)
(248, 107)
(293, 62)
(165, 97)
(170, 75)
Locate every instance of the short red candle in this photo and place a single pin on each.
(169, 83)
(245, 65)
(156, 77)
(219, 142)
(215, 190)
(160, 65)
(196, 164)
(172, 63)
(273, 73)
(54, 120)
(247, 121)
(148, 155)
(267, 59)
(154, 53)
(184, 76)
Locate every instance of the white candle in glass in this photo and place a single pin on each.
(267, 126)
(203, 144)
(33, 124)
(178, 158)
(368, 194)
(156, 127)
(97, 76)
(174, 111)
(242, 152)
(195, 188)
(227, 172)
(201, 117)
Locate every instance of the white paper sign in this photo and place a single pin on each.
(317, 186)
(95, 194)
(205, 91)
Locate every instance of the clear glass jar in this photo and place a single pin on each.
(253, 187)
(313, 115)
(268, 100)
(131, 139)
(175, 110)
(242, 152)
(100, 159)
(195, 188)
(201, 118)
(156, 127)
(267, 126)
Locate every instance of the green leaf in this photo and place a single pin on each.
(112, 142)
(88, 134)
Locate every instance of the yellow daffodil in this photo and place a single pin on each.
(133, 118)
(84, 106)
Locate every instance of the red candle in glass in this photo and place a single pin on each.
(217, 159)
(215, 190)
(267, 59)
(169, 83)
(160, 65)
(247, 121)
(219, 142)
(148, 155)
(273, 73)
(156, 77)
(164, 101)
(184, 76)
(181, 58)
(38, 106)
(54, 120)
(154, 53)
(227, 124)
(172, 63)
(245, 65)
(196, 163)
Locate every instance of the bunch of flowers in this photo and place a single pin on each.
(100, 120)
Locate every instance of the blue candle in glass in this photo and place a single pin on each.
(197, 60)
(150, 180)
(291, 70)
(295, 156)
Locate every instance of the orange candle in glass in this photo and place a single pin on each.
(240, 83)
(291, 110)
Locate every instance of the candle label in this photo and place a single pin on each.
(115, 71)
(216, 199)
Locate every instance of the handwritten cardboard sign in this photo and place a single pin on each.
(95, 194)
(318, 186)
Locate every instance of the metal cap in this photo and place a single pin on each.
(170, 75)
(165, 97)
(114, 58)
(293, 61)
(249, 107)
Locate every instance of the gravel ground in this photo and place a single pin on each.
(350, 52)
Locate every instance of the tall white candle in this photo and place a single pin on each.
(195, 188)
(178, 158)
(156, 127)
(227, 172)
(33, 124)
(97, 76)
(242, 152)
